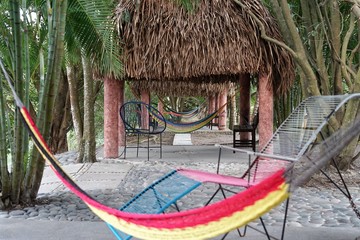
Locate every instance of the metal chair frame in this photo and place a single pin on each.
(130, 113)
(158, 197)
(290, 142)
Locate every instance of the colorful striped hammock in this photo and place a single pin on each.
(187, 127)
(199, 223)
(188, 114)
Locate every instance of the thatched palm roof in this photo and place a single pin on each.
(216, 42)
(181, 88)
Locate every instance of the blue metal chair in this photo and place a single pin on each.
(158, 197)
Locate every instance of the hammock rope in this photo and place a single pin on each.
(188, 114)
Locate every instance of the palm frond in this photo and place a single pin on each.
(90, 23)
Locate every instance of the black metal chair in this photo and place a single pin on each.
(214, 122)
(131, 114)
(248, 127)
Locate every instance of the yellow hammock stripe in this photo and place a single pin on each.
(185, 128)
(204, 231)
(201, 231)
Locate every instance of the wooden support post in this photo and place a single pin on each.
(211, 104)
(217, 100)
(266, 110)
(111, 117)
(223, 113)
(121, 102)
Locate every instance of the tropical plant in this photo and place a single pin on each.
(322, 36)
(34, 61)
(89, 28)
(23, 53)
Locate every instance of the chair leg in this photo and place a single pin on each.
(148, 146)
(137, 148)
(218, 164)
(344, 189)
(234, 139)
(265, 229)
(285, 218)
(160, 145)
(222, 190)
(212, 197)
(125, 146)
(253, 141)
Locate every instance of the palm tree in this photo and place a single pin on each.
(45, 40)
(94, 34)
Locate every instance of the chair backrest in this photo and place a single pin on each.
(137, 118)
(296, 133)
(253, 123)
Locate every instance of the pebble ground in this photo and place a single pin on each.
(309, 206)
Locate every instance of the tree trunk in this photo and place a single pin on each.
(309, 10)
(325, 47)
(61, 119)
(111, 117)
(89, 115)
(346, 157)
(5, 186)
(352, 110)
(335, 21)
(266, 110)
(76, 111)
(232, 100)
(47, 95)
(18, 155)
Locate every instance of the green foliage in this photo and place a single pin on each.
(89, 27)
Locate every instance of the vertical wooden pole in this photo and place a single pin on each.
(217, 100)
(121, 102)
(111, 117)
(211, 104)
(266, 110)
(223, 113)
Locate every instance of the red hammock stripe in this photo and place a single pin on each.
(182, 220)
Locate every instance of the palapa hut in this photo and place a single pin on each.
(168, 46)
